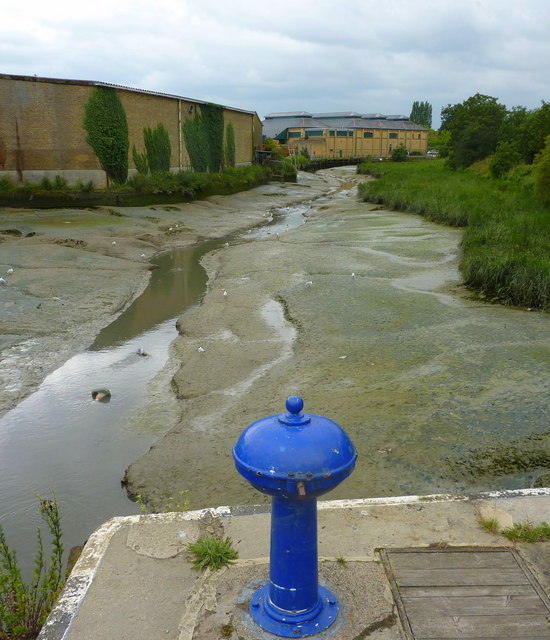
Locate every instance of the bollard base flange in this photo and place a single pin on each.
(293, 625)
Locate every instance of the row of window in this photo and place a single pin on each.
(339, 134)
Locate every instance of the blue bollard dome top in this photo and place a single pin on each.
(293, 446)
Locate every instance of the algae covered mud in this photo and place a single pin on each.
(361, 312)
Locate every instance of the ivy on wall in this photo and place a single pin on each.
(158, 147)
(230, 146)
(107, 127)
(158, 150)
(203, 137)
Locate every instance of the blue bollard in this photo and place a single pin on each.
(294, 457)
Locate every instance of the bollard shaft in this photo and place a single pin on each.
(293, 560)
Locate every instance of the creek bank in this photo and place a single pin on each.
(75, 271)
(397, 354)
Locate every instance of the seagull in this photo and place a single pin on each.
(353, 275)
(226, 244)
(201, 350)
(309, 283)
(9, 271)
(224, 293)
(143, 255)
(113, 242)
(3, 281)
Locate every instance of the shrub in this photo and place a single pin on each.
(45, 183)
(5, 183)
(140, 161)
(60, 183)
(399, 154)
(542, 174)
(25, 607)
(505, 157)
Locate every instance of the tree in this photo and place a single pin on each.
(475, 127)
(107, 127)
(542, 174)
(421, 113)
(533, 132)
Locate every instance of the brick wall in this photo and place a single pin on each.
(41, 126)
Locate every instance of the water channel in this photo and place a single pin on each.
(59, 441)
(419, 374)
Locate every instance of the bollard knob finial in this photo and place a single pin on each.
(294, 404)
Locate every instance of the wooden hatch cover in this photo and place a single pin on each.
(469, 593)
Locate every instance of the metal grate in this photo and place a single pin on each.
(467, 593)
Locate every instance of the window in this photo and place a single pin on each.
(310, 134)
(294, 134)
(393, 135)
(331, 133)
(368, 134)
(342, 134)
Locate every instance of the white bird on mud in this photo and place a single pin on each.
(9, 271)
(309, 283)
(353, 275)
(3, 281)
(113, 242)
(200, 350)
(226, 245)
(225, 293)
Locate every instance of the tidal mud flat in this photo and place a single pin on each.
(75, 271)
(361, 312)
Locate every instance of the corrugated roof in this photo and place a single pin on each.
(273, 125)
(290, 114)
(94, 83)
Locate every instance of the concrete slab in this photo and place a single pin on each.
(134, 581)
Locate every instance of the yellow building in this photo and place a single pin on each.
(345, 134)
(42, 132)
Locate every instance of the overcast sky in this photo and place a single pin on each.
(288, 55)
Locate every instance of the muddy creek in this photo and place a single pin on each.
(360, 311)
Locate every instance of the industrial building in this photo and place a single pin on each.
(42, 132)
(345, 134)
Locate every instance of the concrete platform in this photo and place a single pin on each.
(133, 580)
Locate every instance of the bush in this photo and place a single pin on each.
(6, 184)
(542, 174)
(399, 154)
(25, 607)
(505, 157)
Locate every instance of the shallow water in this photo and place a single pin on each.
(425, 380)
(59, 440)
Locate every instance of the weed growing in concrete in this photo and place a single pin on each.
(491, 524)
(227, 630)
(525, 531)
(24, 607)
(213, 553)
(528, 531)
(342, 561)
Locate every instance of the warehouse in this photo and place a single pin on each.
(42, 130)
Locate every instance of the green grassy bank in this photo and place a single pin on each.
(140, 190)
(506, 244)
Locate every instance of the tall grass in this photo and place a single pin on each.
(506, 244)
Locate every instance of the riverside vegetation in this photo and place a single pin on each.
(24, 607)
(506, 244)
